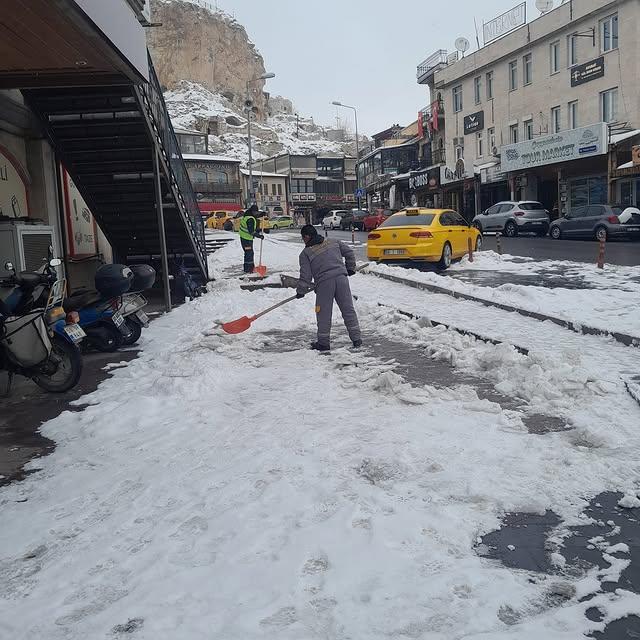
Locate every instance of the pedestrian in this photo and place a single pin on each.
(249, 229)
(327, 263)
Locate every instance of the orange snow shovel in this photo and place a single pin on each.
(261, 270)
(242, 324)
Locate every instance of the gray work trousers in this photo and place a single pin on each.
(337, 289)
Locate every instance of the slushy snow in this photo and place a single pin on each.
(243, 487)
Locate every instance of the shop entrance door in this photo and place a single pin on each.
(548, 194)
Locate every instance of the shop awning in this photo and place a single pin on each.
(617, 138)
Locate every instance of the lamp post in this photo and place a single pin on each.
(249, 106)
(355, 114)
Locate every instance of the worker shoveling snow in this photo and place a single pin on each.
(221, 487)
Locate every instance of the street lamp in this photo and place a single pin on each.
(355, 114)
(249, 106)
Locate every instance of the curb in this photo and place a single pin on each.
(623, 338)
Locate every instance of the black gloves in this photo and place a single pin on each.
(259, 235)
(300, 295)
(351, 272)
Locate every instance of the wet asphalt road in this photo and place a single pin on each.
(617, 252)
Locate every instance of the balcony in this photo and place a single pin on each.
(217, 187)
(429, 122)
(428, 67)
(437, 156)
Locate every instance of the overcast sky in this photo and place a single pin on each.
(360, 52)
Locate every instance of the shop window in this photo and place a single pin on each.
(609, 33)
(489, 83)
(609, 105)
(513, 75)
(554, 56)
(527, 69)
(587, 191)
(457, 98)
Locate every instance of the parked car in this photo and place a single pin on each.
(217, 219)
(423, 235)
(512, 218)
(599, 221)
(233, 224)
(332, 221)
(375, 219)
(282, 222)
(353, 220)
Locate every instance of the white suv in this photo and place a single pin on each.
(332, 221)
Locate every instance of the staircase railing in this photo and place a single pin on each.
(157, 115)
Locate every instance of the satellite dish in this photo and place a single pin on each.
(462, 45)
(543, 6)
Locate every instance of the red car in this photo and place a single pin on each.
(375, 219)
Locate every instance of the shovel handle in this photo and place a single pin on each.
(275, 306)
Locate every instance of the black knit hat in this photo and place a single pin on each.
(309, 230)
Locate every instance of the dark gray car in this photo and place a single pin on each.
(599, 221)
(511, 218)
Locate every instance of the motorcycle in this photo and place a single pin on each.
(133, 302)
(98, 311)
(37, 341)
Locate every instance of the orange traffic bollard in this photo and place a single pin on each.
(498, 245)
(470, 246)
(601, 254)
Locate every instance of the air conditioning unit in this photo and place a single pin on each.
(458, 142)
(26, 246)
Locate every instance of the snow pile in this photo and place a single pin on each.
(239, 487)
(281, 133)
(609, 301)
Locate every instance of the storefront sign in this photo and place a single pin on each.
(80, 226)
(588, 71)
(474, 122)
(559, 147)
(14, 202)
(448, 175)
(492, 174)
(505, 23)
(427, 179)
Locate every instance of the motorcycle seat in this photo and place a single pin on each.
(28, 280)
(78, 301)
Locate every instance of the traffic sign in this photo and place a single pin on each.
(360, 193)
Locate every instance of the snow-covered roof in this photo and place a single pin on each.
(204, 157)
(626, 165)
(263, 174)
(616, 138)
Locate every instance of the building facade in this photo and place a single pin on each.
(317, 182)
(547, 112)
(270, 189)
(216, 181)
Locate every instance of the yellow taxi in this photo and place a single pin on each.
(423, 235)
(217, 219)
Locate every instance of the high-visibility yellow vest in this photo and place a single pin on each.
(244, 227)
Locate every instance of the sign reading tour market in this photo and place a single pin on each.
(564, 146)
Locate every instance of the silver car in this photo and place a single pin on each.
(511, 218)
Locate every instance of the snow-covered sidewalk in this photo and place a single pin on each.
(218, 488)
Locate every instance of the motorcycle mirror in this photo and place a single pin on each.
(55, 262)
(8, 266)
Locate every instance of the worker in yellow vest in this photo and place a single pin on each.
(249, 229)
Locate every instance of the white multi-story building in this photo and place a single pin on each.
(546, 112)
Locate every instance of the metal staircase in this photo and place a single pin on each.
(114, 141)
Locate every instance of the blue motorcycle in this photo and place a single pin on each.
(37, 340)
(98, 311)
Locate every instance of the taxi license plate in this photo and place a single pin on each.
(75, 332)
(143, 317)
(117, 318)
(394, 252)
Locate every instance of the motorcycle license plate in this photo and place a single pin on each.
(118, 320)
(75, 332)
(143, 317)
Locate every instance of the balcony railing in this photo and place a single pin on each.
(429, 66)
(437, 156)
